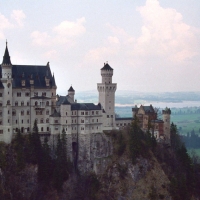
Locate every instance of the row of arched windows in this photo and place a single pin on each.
(42, 120)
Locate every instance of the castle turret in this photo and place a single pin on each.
(7, 96)
(106, 91)
(166, 118)
(71, 92)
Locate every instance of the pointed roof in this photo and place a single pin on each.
(6, 57)
(71, 89)
(53, 81)
(106, 67)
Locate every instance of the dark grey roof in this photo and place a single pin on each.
(40, 97)
(148, 109)
(71, 89)
(55, 114)
(36, 73)
(124, 118)
(62, 100)
(106, 67)
(85, 106)
(6, 57)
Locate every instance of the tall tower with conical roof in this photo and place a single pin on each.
(71, 92)
(106, 91)
(6, 80)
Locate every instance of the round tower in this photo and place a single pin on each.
(166, 118)
(71, 92)
(106, 91)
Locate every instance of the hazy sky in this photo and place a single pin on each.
(152, 45)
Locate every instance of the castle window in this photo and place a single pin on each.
(22, 121)
(82, 128)
(22, 103)
(82, 113)
(8, 112)
(8, 102)
(16, 103)
(38, 112)
(92, 112)
(82, 121)
(41, 121)
(27, 94)
(75, 128)
(66, 121)
(97, 120)
(28, 121)
(97, 112)
(16, 121)
(36, 103)
(97, 127)
(0, 103)
(75, 113)
(47, 103)
(92, 120)
(27, 112)
(56, 121)
(0, 122)
(47, 128)
(35, 94)
(22, 112)
(8, 130)
(72, 112)
(1, 95)
(42, 129)
(107, 116)
(28, 129)
(44, 94)
(27, 103)
(47, 112)
(1, 131)
(72, 121)
(8, 121)
(18, 94)
(66, 129)
(0, 113)
(111, 116)
(47, 120)
(13, 112)
(86, 113)
(75, 121)
(66, 113)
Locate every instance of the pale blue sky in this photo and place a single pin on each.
(152, 45)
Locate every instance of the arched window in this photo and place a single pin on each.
(16, 103)
(27, 112)
(47, 128)
(41, 121)
(14, 112)
(47, 103)
(47, 112)
(47, 120)
(22, 103)
(42, 129)
(36, 103)
(22, 112)
(8, 102)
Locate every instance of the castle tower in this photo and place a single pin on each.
(71, 92)
(106, 91)
(166, 118)
(7, 96)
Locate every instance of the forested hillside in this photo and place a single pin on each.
(140, 168)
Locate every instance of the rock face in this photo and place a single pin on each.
(93, 152)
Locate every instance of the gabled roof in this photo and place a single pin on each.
(62, 100)
(148, 109)
(55, 114)
(36, 73)
(6, 57)
(71, 89)
(106, 67)
(85, 106)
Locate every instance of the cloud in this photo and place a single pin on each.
(64, 33)
(18, 16)
(165, 34)
(15, 21)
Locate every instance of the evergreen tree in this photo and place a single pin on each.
(18, 144)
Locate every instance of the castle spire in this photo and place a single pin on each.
(6, 57)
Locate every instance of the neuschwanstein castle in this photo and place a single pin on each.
(28, 93)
